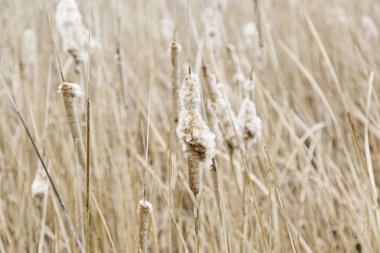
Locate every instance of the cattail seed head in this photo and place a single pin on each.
(192, 130)
(71, 91)
(196, 138)
(73, 33)
(249, 85)
(175, 48)
(40, 183)
(144, 209)
(221, 106)
(249, 122)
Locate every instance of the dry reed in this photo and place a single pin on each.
(144, 209)
(71, 91)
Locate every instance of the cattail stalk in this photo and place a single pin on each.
(196, 138)
(55, 190)
(144, 209)
(88, 177)
(175, 48)
(219, 202)
(74, 34)
(219, 104)
(71, 91)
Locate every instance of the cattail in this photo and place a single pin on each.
(70, 92)
(144, 209)
(40, 183)
(221, 106)
(215, 183)
(73, 33)
(260, 57)
(369, 27)
(196, 138)
(249, 122)
(174, 49)
(249, 85)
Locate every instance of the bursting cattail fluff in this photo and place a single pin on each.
(196, 138)
(249, 85)
(40, 183)
(221, 106)
(71, 91)
(73, 33)
(250, 124)
(144, 209)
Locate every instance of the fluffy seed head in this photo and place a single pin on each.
(71, 89)
(221, 106)
(73, 33)
(249, 85)
(40, 183)
(144, 207)
(249, 122)
(192, 131)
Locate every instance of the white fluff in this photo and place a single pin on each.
(227, 125)
(40, 183)
(249, 122)
(70, 88)
(74, 34)
(145, 206)
(192, 131)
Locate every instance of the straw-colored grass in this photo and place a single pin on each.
(312, 63)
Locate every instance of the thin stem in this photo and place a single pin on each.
(61, 203)
(188, 36)
(54, 43)
(88, 178)
(147, 142)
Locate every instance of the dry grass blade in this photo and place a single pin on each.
(88, 129)
(61, 203)
(279, 198)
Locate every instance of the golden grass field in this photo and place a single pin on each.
(309, 184)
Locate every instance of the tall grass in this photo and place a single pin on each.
(300, 66)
